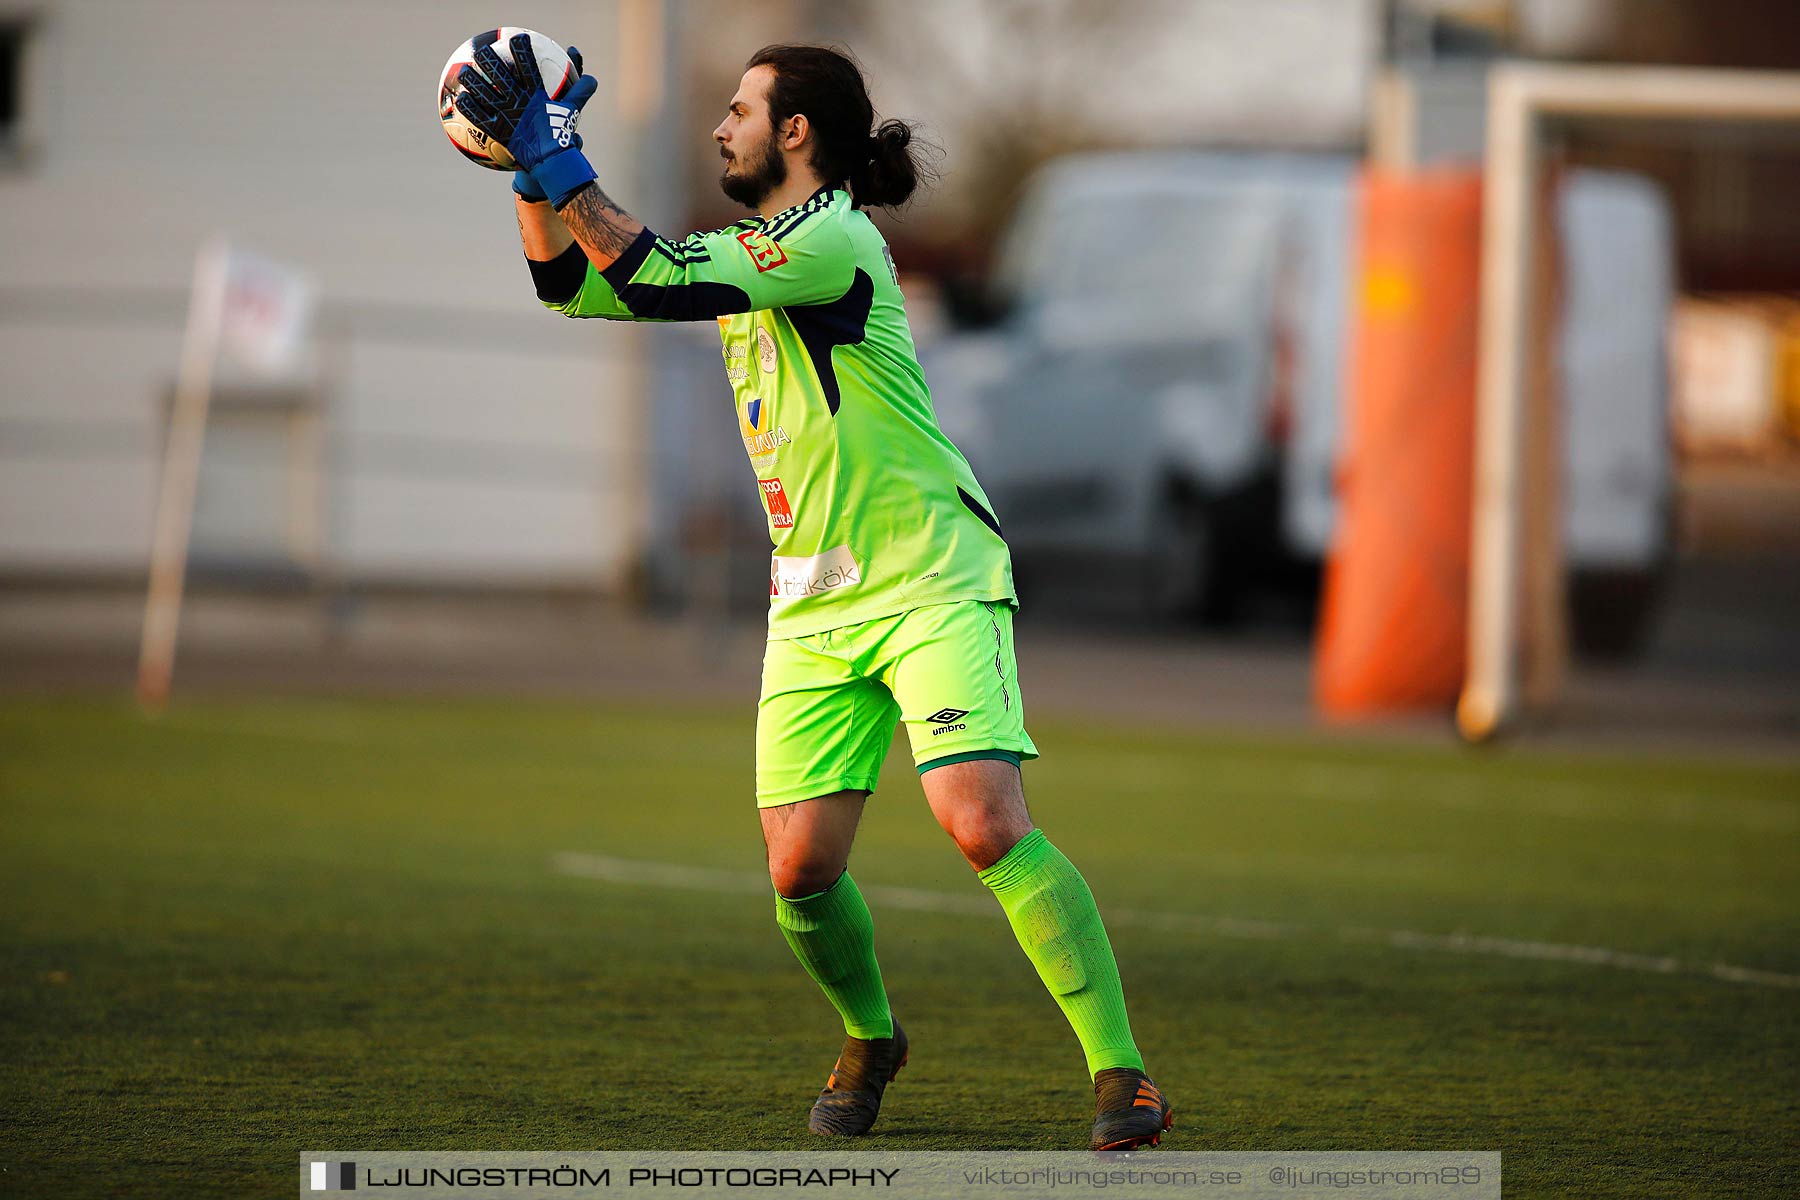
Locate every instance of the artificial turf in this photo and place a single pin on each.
(256, 926)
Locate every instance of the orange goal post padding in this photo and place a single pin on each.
(1393, 626)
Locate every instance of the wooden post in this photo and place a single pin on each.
(641, 60)
(180, 478)
(1394, 121)
(644, 39)
(1544, 617)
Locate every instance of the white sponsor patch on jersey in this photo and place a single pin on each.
(791, 578)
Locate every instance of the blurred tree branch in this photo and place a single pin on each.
(1029, 78)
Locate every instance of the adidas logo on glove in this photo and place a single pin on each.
(562, 123)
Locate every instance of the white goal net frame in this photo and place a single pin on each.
(1518, 629)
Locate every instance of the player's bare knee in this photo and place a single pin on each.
(985, 835)
(799, 876)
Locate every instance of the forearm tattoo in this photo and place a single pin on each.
(602, 227)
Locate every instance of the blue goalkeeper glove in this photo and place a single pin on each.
(523, 184)
(511, 106)
(527, 187)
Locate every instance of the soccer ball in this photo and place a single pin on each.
(553, 64)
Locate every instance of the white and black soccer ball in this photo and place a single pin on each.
(553, 64)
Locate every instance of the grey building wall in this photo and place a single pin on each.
(471, 435)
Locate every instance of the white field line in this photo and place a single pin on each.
(709, 879)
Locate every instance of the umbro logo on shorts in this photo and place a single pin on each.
(947, 720)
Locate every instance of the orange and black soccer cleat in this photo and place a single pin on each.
(1129, 1110)
(852, 1096)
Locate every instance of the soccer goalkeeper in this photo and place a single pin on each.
(890, 589)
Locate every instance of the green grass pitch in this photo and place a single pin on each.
(259, 926)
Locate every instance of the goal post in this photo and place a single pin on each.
(1515, 561)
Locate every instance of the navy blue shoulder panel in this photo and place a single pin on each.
(684, 301)
(842, 322)
(670, 302)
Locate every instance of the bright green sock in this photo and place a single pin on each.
(1054, 917)
(833, 936)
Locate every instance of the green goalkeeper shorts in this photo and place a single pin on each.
(830, 700)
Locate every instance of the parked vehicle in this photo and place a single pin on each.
(1155, 406)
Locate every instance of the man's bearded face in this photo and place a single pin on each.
(748, 178)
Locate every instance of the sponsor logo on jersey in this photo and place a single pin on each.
(781, 514)
(760, 441)
(762, 446)
(765, 351)
(792, 577)
(763, 250)
(736, 356)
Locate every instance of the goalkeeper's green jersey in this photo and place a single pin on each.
(873, 511)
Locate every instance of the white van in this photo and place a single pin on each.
(1155, 406)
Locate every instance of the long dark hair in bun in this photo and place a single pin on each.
(881, 165)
